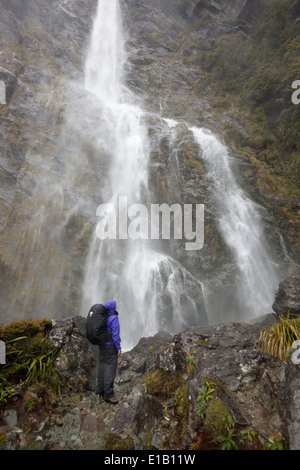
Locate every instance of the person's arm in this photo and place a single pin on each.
(115, 331)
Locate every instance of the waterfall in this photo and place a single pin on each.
(241, 227)
(105, 60)
(151, 288)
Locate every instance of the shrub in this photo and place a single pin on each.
(6, 391)
(30, 356)
(278, 339)
(162, 384)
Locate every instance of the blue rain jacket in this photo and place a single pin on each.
(113, 323)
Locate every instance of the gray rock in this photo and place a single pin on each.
(78, 358)
(250, 385)
(289, 403)
(287, 297)
(10, 437)
(264, 321)
(141, 358)
(171, 358)
(246, 382)
(10, 417)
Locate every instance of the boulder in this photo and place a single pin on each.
(10, 417)
(289, 403)
(78, 358)
(141, 358)
(287, 297)
(160, 385)
(138, 414)
(245, 383)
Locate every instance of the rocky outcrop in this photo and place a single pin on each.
(287, 297)
(78, 360)
(244, 384)
(289, 403)
(204, 388)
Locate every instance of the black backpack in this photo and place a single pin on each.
(96, 321)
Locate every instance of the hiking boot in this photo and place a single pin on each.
(111, 400)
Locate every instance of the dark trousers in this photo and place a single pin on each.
(108, 360)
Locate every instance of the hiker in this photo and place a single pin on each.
(108, 355)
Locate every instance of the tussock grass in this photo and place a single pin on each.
(278, 339)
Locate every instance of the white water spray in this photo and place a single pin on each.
(241, 227)
(105, 61)
(151, 289)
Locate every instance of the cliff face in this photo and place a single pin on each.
(43, 48)
(165, 42)
(204, 62)
(47, 209)
(36, 59)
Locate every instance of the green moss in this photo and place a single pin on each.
(216, 413)
(190, 158)
(181, 400)
(115, 442)
(254, 72)
(207, 18)
(29, 328)
(2, 439)
(30, 356)
(162, 384)
(191, 364)
(235, 135)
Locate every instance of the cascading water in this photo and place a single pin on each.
(151, 289)
(105, 60)
(241, 227)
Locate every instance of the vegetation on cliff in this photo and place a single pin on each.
(278, 340)
(254, 72)
(30, 357)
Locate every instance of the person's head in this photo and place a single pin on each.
(111, 305)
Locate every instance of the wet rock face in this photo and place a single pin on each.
(36, 58)
(43, 46)
(78, 359)
(287, 298)
(289, 403)
(174, 393)
(47, 210)
(245, 383)
(164, 42)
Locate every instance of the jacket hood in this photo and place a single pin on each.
(111, 306)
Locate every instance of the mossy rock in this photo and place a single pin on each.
(29, 328)
(161, 383)
(2, 439)
(116, 442)
(215, 415)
